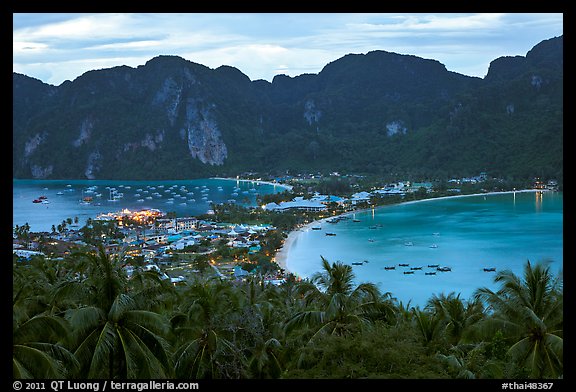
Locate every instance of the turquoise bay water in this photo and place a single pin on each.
(185, 197)
(471, 233)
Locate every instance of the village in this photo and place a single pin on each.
(222, 242)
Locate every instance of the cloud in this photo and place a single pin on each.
(262, 45)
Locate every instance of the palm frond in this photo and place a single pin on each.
(104, 347)
(37, 362)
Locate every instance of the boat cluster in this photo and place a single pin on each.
(337, 219)
(41, 200)
(411, 270)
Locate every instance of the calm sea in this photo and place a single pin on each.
(185, 197)
(466, 234)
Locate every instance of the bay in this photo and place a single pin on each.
(185, 197)
(467, 234)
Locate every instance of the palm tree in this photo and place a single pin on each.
(113, 334)
(428, 324)
(529, 312)
(264, 361)
(36, 348)
(203, 346)
(462, 360)
(37, 335)
(456, 316)
(261, 332)
(339, 308)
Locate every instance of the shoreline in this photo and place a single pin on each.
(281, 256)
(285, 186)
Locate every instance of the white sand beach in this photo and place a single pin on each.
(282, 255)
(285, 186)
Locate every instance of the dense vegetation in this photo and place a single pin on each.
(82, 317)
(380, 113)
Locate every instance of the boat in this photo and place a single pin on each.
(113, 195)
(357, 263)
(444, 269)
(433, 246)
(41, 199)
(331, 234)
(408, 243)
(408, 272)
(492, 269)
(403, 265)
(390, 268)
(370, 239)
(316, 228)
(415, 268)
(356, 220)
(60, 193)
(433, 265)
(430, 273)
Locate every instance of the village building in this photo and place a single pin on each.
(298, 203)
(360, 197)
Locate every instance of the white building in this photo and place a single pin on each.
(297, 204)
(182, 243)
(360, 197)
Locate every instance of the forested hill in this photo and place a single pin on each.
(377, 112)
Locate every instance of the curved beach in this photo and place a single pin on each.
(282, 255)
(287, 187)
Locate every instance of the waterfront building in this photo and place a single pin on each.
(298, 203)
(360, 197)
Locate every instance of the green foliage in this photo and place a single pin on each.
(378, 113)
(82, 317)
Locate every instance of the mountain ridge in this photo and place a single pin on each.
(377, 112)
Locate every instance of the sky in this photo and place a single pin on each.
(55, 47)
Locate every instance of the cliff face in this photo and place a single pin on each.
(377, 112)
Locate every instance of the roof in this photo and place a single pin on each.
(296, 203)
